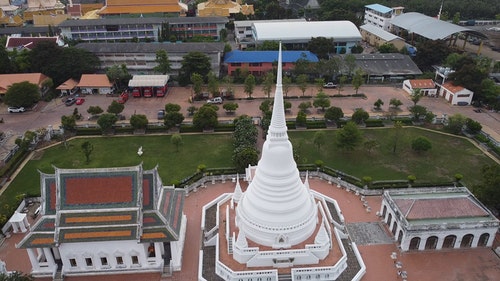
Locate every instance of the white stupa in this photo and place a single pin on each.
(277, 210)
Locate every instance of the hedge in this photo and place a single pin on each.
(374, 123)
(316, 124)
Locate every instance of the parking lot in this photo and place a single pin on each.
(49, 113)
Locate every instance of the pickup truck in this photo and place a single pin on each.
(330, 85)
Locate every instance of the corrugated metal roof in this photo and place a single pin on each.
(379, 8)
(267, 56)
(183, 48)
(387, 36)
(341, 31)
(386, 64)
(146, 20)
(148, 81)
(428, 27)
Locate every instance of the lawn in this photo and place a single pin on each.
(448, 156)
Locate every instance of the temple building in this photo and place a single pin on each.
(106, 221)
(278, 228)
(223, 8)
(142, 8)
(438, 219)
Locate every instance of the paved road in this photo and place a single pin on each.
(49, 113)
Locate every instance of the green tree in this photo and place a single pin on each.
(173, 119)
(244, 156)
(213, 84)
(249, 85)
(319, 82)
(87, 149)
(341, 84)
(287, 83)
(68, 122)
(230, 107)
(398, 132)
(455, 124)
(115, 108)
(194, 62)
(16, 276)
(301, 118)
(370, 145)
(417, 111)
(176, 140)
(245, 132)
(106, 121)
(94, 110)
(304, 106)
(387, 48)
(319, 139)
(421, 144)
(473, 127)
(191, 110)
(268, 83)
(139, 121)
(269, 46)
(197, 81)
(490, 93)
(23, 94)
(357, 80)
(431, 52)
(360, 116)
(378, 104)
(416, 95)
(302, 80)
(322, 101)
(20, 61)
(396, 103)
(163, 63)
(334, 114)
(349, 137)
(119, 75)
(206, 117)
(5, 63)
(487, 191)
(172, 107)
(350, 63)
(321, 47)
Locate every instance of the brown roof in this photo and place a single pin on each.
(452, 88)
(436, 208)
(94, 80)
(422, 83)
(27, 42)
(75, 10)
(6, 80)
(140, 7)
(68, 84)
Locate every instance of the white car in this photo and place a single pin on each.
(14, 109)
(330, 85)
(215, 100)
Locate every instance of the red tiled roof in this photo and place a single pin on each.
(452, 88)
(422, 83)
(27, 42)
(94, 80)
(439, 208)
(98, 190)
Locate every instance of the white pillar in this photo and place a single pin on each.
(50, 258)
(423, 241)
(26, 224)
(158, 252)
(440, 242)
(475, 240)
(33, 259)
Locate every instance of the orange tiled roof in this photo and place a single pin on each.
(422, 83)
(98, 234)
(68, 84)
(6, 80)
(99, 219)
(141, 9)
(94, 80)
(452, 88)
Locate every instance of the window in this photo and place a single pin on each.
(72, 262)
(135, 260)
(88, 261)
(104, 261)
(119, 260)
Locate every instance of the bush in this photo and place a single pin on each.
(189, 129)
(224, 128)
(316, 124)
(88, 131)
(374, 123)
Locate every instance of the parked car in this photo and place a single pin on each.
(161, 114)
(15, 109)
(80, 101)
(123, 98)
(330, 85)
(216, 100)
(70, 101)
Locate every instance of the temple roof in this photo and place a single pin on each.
(108, 204)
(140, 7)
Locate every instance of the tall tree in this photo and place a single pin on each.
(431, 53)
(302, 82)
(119, 75)
(487, 191)
(176, 140)
(87, 149)
(249, 85)
(115, 108)
(213, 84)
(349, 137)
(398, 132)
(197, 81)
(194, 62)
(206, 117)
(319, 139)
(287, 83)
(357, 80)
(268, 84)
(5, 63)
(322, 101)
(163, 63)
(22, 94)
(321, 46)
(139, 121)
(334, 114)
(106, 121)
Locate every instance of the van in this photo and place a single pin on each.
(215, 100)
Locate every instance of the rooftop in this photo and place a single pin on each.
(379, 8)
(267, 56)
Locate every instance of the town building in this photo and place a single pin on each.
(20, 43)
(260, 62)
(296, 35)
(243, 31)
(7, 80)
(223, 8)
(376, 37)
(426, 86)
(42, 7)
(142, 29)
(140, 58)
(95, 84)
(106, 221)
(456, 94)
(380, 16)
(278, 228)
(143, 8)
(436, 219)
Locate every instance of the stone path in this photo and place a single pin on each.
(368, 233)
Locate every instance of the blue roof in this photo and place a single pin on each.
(379, 8)
(267, 56)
